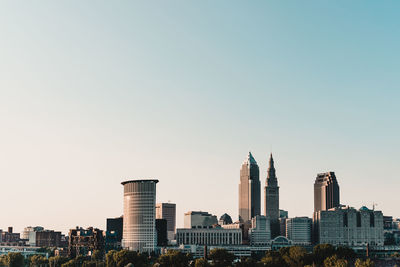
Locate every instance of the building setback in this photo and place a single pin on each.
(139, 227)
(271, 193)
(249, 190)
(326, 192)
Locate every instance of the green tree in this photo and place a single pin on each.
(321, 252)
(295, 256)
(335, 261)
(345, 253)
(273, 259)
(221, 257)
(14, 259)
(247, 262)
(201, 263)
(57, 261)
(173, 258)
(3, 260)
(124, 257)
(38, 261)
(110, 262)
(366, 263)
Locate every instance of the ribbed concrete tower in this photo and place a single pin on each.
(271, 194)
(249, 190)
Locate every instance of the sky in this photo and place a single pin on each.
(93, 93)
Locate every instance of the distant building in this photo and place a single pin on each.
(260, 231)
(82, 242)
(161, 229)
(48, 238)
(249, 190)
(282, 226)
(326, 192)
(139, 230)
(10, 238)
(271, 193)
(167, 211)
(349, 227)
(298, 230)
(283, 214)
(209, 236)
(225, 219)
(199, 219)
(115, 225)
(29, 234)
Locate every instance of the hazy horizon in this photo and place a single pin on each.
(94, 93)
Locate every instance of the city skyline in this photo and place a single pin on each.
(95, 94)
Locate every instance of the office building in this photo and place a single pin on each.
(48, 238)
(298, 230)
(167, 211)
(161, 229)
(260, 231)
(249, 190)
(225, 219)
(209, 236)
(199, 219)
(115, 225)
(326, 192)
(271, 193)
(29, 234)
(82, 242)
(139, 223)
(349, 227)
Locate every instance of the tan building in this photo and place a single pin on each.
(326, 192)
(249, 190)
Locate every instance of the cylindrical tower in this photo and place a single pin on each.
(139, 231)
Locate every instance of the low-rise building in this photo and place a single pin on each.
(85, 241)
(260, 231)
(199, 219)
(209, 236)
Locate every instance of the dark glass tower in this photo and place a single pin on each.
(326, 192)
(271, 193)
(249, 190)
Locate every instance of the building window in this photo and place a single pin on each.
(358, 219)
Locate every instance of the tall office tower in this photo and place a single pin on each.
(139, 223)
(249, 190)
(167, 211)
(271, 193)
(326, 192)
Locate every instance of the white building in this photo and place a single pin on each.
(298, 230)
(260, 231)
(139, 229)
(209, 236)
(349, 227)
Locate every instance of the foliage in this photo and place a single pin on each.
(110, 262)
(201, 263)
(335, 261)
(366, 263)
(247, 262)
(295, 256)
(124, 257)
(345, 253)
(97, 255)
(221, 257)
(38, 261)
(14, 259)
(57, 261)
(321, 252)
(173, 258)
(273, 259)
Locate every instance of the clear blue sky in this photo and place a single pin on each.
(96, 92)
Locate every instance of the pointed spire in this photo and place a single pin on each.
(271, 169)
(271, 162)
(250, 159)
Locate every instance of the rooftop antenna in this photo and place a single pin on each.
(374, 205)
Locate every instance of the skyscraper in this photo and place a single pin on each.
(326, 192)
(139, 223)
(249, 190)
(271, 193)
(167, 211)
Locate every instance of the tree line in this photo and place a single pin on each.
(323, 255)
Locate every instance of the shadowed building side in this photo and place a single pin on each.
(271, 194)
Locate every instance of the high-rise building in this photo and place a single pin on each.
(326, 192)
(139, 223)
(199, 219)
(271, 193)
(298, 230)
(167, 211)
(249, 190)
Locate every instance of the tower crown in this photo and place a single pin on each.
(271, 174)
